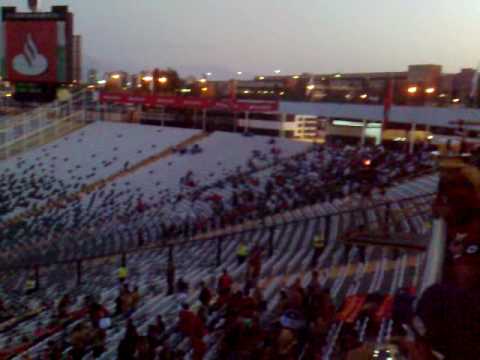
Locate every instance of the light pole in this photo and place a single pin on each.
(412, 90)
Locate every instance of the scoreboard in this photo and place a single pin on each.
(36, 50)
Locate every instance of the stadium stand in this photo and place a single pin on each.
(90, 258)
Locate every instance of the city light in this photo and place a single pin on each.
(208, 74)
(101, 82)
(412, 90)
(246, 91)
(261, 78)
(367, 162)
(91, 86)
(239, 73)
(456, 100)
(363, 96)
(185, 90)
(115, 76)
(310, 87)
(162, 80)
(338, 75)
(282, 93)
(147, 78)
(276, 72)
(203, 80)
(348, 96)
(430, 137)
(430, 90)
(442, 95)
(204, 89)
(8, 95)
(295, 77)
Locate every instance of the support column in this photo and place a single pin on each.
(204, 119)
(364, 133)
(162, 114)
(412, 138)
(247, 122)
(195, 118)
(219, 252)
(170, 254)
(283, 120)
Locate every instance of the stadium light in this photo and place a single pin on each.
(430, 90)
(147, 78)
(163, 80)
(310, 87)
(412, 90)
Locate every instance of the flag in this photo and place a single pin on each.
(387, 103)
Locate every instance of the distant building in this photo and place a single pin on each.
(92, 76)
(77, 58)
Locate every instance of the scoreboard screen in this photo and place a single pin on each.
(36, 49)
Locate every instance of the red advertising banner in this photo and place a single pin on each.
(31, 51)
(190, 102)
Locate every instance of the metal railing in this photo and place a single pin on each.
(42, 123)
(78, 262)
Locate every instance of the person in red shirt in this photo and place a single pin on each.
(205, 296)
(199, 348)
(224, 283)
(186, 321)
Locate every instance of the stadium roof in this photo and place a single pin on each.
(399, 114)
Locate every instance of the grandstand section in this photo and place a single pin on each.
(113, 196)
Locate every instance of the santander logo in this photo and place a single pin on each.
(30, 62)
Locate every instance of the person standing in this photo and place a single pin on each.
(242, 253)
(318, 247)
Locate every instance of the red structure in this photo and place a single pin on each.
(37, 51)
(190, 102)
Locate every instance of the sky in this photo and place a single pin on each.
(260, 36)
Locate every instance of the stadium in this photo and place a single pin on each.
(131, 229)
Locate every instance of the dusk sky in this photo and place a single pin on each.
(259, 36)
